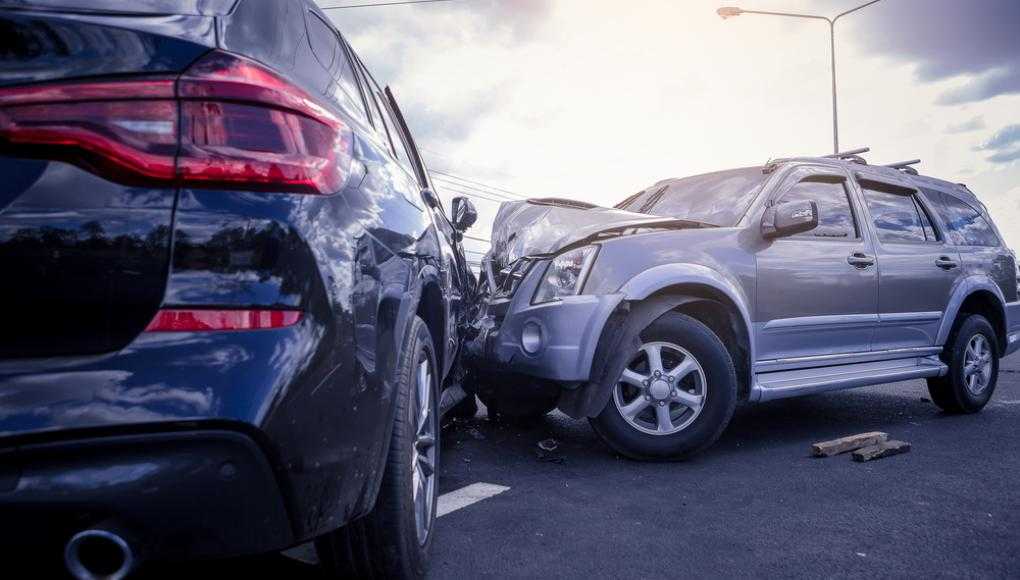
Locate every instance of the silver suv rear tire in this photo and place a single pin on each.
(972, 354)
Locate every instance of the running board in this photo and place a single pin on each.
(785, 384)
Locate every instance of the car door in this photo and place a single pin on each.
(453, 269)
(817, 292)
(917, 269)
(981, 250)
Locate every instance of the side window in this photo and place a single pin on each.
(345, 90)
(899, 217)
(399, 148)
(966, 226)
(835, 216)
(324, 42)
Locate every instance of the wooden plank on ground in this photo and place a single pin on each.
(884, 449)
(849, 443)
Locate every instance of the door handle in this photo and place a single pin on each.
(860, 260)
(946, 263)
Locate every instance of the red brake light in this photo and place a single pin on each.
(227, 123)
(178, 320)
(126, 131)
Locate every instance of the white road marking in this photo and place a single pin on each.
(465, 496)
(448, 502)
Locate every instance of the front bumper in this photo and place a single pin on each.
(1012, 327)
(568, 332)
(173, 495)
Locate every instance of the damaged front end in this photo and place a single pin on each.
(536, 332)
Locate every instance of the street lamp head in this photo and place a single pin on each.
(729, 12)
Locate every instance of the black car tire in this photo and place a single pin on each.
(720, 400)
(384, 543)
(951, 392)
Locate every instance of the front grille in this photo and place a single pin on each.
(507, 280)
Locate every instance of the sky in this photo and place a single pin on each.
(598, 99)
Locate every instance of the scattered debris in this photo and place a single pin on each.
(547, 451)
(849, 443)
(476, 434)
(884, 449)
(548, 444)
(549, 457)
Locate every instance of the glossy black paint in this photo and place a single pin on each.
(317, 397)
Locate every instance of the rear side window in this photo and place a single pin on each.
(899, 217)
(331, 54)
(966, 226)
(399, 148)
(347, 83)
(324, 42)
(835, 216)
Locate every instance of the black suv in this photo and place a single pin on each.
(232, 295)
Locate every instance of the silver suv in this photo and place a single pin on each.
(656, 317)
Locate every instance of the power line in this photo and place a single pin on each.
(471, 193)
(478, 183)
(369, 5)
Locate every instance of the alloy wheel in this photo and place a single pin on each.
(662, 390)
(423, 453)
(977, 364)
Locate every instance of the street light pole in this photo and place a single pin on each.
(731, 11)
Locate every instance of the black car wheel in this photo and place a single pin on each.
(393, 540)
(973, 358)
(676, 395)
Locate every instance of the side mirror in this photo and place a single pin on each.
(787, 219)
(464, 214)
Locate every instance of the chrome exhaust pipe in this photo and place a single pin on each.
(99, 554)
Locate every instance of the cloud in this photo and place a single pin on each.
(974, 124)
(946, 39)
(1005, 156)
(1003, 138)
(1005, 143)
(999, 81)
(402, 44)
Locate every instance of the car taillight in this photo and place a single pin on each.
(188, 320)
(225, 123)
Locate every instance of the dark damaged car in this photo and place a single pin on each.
(233, 297)
(656, 318)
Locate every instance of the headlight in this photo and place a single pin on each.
(565, 275)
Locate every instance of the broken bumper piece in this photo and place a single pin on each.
(553, 340)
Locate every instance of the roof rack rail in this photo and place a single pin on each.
(852, 156)
(905, 166)
(848, 154)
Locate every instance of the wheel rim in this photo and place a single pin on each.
(977, 364)
(662, 390)
(423, 452)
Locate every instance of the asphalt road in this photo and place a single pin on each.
(754, 505)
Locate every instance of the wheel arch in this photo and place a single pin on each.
(975, 295)
(703, 294)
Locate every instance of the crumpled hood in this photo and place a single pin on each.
(544, 226)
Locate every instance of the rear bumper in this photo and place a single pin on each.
(1012, 327)
(173, 495)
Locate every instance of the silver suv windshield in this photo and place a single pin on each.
(719, 198)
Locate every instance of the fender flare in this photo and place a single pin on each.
(659, 278)
(404, 310)
(964, 289)
(621, 334)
